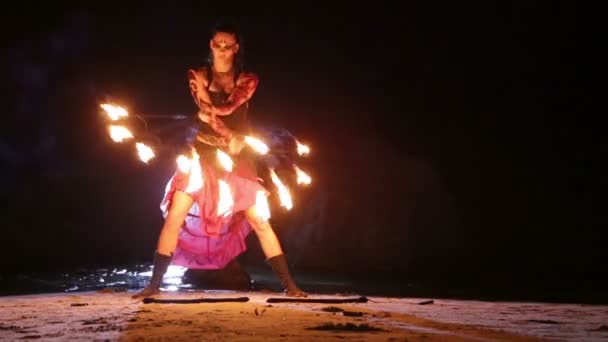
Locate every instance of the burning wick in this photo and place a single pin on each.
(284, 195)
(225, 160)
(183, 163)
(193, 167)
(302, 149)
(225, 203)
(256, 144)
(114, 112)
(261, 205)
(303, 178)
(120, 133)
(145, 152)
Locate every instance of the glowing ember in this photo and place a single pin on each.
(303, 178)
(261, 205)
(256, 144)
(119, 133)
(284, 195)
(114, 112)
(302, 149)
(225, 160)
(195, 181)
(145, 152)
(225, 203)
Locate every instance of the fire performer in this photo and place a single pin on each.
(206, 224)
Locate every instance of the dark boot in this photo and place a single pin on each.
(281, 270)
(161, 264)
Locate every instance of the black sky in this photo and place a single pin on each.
(447, 137)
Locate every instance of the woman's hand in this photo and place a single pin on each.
(236, 144)
(209, 108)
(204, 117)
(216, 124)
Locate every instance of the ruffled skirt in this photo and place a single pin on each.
(211, 238)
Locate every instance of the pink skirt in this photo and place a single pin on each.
(208, 240)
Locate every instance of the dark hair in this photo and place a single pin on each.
(229, 25)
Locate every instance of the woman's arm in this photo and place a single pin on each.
(246, 86)
(198, 82)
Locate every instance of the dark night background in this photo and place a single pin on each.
(452, 144)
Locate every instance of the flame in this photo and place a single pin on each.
(284, 195)
(302, 149)
(195, 180)
(183, 163)
(225, 203)
(303, 178)
(119, 133)
(256, 144)
(145, 152)
(261, 205)
(225, 160)
(114, 112)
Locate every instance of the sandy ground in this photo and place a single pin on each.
(115, 316)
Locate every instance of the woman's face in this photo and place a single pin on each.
(224, 46)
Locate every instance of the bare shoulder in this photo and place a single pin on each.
(248, 77)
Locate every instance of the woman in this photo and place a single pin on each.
(197, 234)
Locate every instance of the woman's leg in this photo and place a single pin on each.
(273, 251)
(167, 242)
(268, 239)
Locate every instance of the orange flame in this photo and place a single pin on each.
(302, 149)
(225, 160)
(303, 178)
(193, 168)
(284, 195)
(145, 152)
(261, 205)
(119, 133)
(225, 202)
(256, 144)
(114, 112)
